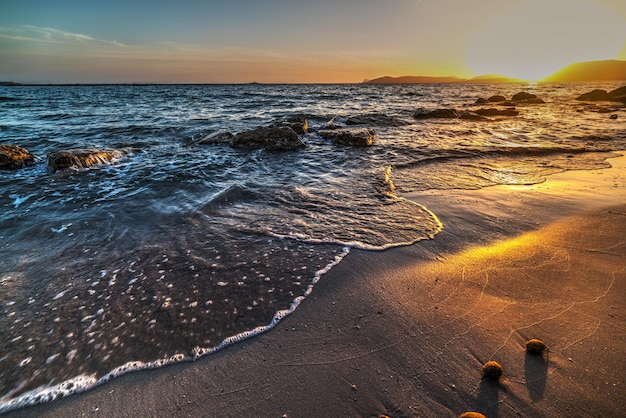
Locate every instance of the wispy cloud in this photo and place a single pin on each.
(36, 34)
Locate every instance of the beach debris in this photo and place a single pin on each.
(81, 158)
(13, 157)
(492, 370)
(535, 347)
(353, 137)
(472, 414)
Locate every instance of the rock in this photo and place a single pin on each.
(13, 157)
(272, 139)
(217, 138)
(492, 370)
(594, 95)
(80, 158)
(522, 95)
(299, 124)
(472, 116)
(526, 98)
(535, 347)
(618, 95)
(613, 117)
(472, 415)
(437, 114)
(353, 137)
(481, 101)
(496, 99)
(496, 112)
(374, 119)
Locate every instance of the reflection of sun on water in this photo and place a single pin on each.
(541, 37)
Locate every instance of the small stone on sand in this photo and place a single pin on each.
(492, 370)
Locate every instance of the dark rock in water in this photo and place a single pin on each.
(472, 116)
(438, 114)
(80, 158)
(299, 124)
(218, 138)
(353, 137)
(497, 112)
(526, 98)
(522, 95)
(617, 95)
(496, 99)
(272, 139)
(374, 119)
(613, 117)
(13, 157)
(481, 101)
(331, 124)
(594, 95)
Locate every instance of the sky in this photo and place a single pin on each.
(301, 41)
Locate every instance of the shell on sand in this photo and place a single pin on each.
(492, 370)
(536, 347)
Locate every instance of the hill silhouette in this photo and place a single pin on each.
(609, 70)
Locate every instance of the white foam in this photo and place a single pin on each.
(85, 382)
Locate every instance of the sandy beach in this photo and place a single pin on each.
(405, 332)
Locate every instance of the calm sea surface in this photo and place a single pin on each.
(179, 249)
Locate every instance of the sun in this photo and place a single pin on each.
(538, 38)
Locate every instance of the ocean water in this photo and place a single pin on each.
(178, 249)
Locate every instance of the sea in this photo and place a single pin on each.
(180, 248)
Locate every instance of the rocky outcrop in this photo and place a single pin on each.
(217, 138)
(617, 95)
(436, 114)
(478, 115)
(81, 158)
(352, 137)
(299, 124)
(13, 157)
(272, 139)
(518, 98)
(493, 112)
(375, 119)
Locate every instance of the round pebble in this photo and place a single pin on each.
(536, 347)
(492, 370)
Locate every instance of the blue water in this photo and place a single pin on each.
(180, 248)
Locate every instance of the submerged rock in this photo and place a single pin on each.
(80, 158)
(374, 119)
(281, 138)
(13, 157)
(353, 137)
(436, 114)
(217, 138)
(496, 99)
(491, 112)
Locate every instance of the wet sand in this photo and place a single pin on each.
(405, 332)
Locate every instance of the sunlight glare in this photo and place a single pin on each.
(539, 38)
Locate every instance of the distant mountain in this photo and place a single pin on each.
(610, 70)
(410, 79)
(493, 78)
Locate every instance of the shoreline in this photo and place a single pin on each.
(394, 332)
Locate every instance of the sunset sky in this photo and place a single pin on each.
(301, 41)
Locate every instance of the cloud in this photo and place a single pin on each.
(52, 36)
